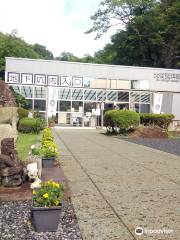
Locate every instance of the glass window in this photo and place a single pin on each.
(87, 81)
(15, 88)
(98, 83)
(123, 84)
(77, 106)
(89, 106)
(123, 96)
(27, 91)
(144, 84)
(64, 106)
(122, 106)
(145, 108)
(64, 94)
(29, 103)
(77, 94)
(145, 97)
(39, 92)
(135, 96)
(40, 105)
(111, 96)
(136, 107)
(90, 95)
(101, 96)
(135, 84)
(108, 106)
(113, 84)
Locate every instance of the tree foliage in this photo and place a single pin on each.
(13, 46)
(150, 36)
(43, 52)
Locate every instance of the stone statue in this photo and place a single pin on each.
(11, 170)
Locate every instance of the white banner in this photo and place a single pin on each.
(157, 102)
(52, 101)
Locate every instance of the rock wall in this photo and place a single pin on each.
(8, 112)
(6, 96)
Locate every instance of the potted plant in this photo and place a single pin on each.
(48, 151)
(47, 206)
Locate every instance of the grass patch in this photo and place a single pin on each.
(24, 142)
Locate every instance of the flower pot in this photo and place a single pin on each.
(46, 219)
(48, 162)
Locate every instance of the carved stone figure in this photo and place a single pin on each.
(11, 170)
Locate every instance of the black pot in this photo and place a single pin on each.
(48, 162)
(46, 219)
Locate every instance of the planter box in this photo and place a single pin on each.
(48, 162)
(46, 219)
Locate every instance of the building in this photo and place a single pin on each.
(77, 93)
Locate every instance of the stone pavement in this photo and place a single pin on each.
(118, 186)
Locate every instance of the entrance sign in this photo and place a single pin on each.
(39, 79)
(52, 80)
(44, 80)
(13, 78)
(66, 81)
(77, 81)
(26, 78)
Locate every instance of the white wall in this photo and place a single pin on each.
(168, 79)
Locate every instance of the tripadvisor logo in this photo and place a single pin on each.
(139, 231)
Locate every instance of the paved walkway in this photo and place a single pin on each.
(118, 186)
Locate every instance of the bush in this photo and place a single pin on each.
(22, 112)
(30, 125)
(160, 120)
(121, 120)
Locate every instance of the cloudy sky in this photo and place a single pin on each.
(57, 24)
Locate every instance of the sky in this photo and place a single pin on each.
(57, 24)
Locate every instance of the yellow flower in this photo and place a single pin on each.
(34, 192)
(56, 202)
(57, 185)
(45, 195)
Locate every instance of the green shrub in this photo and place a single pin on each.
(28, 125)
(121, 120)
(22, 112)
(160, 120)
(42, 123)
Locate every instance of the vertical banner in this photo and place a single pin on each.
(52, 93)
(157, 102)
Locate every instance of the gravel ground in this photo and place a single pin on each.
(15, 223)
(166, 145)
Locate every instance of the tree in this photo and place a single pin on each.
(13, 46)
(43, 52)
(151, 36)
(67, 56)
(117, 12)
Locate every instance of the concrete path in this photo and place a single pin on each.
(118, 186)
